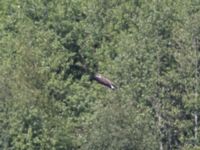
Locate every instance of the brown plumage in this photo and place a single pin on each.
(104, 81)
(93, 76)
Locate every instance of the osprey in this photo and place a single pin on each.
(104, 81)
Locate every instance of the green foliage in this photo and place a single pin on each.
(121, 125)
(50, 49)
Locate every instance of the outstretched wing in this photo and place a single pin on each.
(97, 77)
(104, 81)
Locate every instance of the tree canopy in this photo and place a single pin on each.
(150, 50)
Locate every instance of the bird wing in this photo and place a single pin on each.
(104, 81)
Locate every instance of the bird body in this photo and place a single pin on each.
(97, 77)
(104, 81)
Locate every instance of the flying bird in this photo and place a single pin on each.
(94, 76)
(104, 81)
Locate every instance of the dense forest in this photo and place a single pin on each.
(150, 50)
